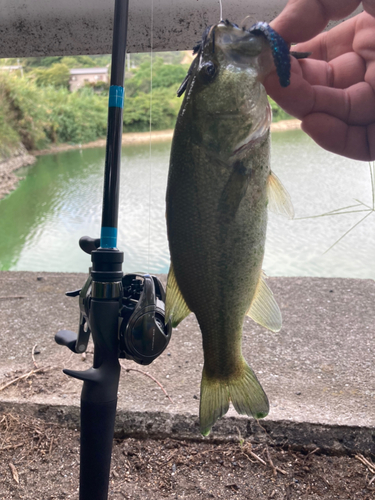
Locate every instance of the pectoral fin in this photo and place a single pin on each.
(279, 200)
(176, 308)
(264, 309)
(235, 189)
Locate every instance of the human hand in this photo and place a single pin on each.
(333, 91)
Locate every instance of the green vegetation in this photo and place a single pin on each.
(278, 113)
(37, 108)
(165, 104)
(40, 116)
(30, 63)
(9, 137)
(57, 75)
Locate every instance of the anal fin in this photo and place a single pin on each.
(264, 309)
(176, 308)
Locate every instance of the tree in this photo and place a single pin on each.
(57, 75)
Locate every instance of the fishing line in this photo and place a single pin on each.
(150, 155)
(221, 10)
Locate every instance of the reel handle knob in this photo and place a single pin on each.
(88, 244)
(67, 338)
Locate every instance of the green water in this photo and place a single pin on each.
(59, 200)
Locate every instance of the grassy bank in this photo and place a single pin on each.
(146, 137)
(42, 116)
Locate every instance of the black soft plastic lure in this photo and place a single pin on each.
(280, 50)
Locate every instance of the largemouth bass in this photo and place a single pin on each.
(219, 187)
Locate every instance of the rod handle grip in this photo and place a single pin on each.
(97, 428)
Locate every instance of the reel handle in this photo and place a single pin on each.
(67, 338)
(88, 244)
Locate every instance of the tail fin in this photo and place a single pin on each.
(243, 390)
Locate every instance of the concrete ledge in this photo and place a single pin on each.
(318, 372)
(41, 27)
(332, 439)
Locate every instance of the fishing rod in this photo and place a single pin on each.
(124, 314)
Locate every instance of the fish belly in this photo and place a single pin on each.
(217, 247)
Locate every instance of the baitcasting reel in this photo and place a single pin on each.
(142, 332)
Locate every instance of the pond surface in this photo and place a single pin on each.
(60, 199)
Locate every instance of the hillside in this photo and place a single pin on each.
(38, 110)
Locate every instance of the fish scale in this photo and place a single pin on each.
(217, 199)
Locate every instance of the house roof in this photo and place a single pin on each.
(10, 68)
(89, 71)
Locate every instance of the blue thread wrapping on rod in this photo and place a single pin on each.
(108, 237)
(116, 96)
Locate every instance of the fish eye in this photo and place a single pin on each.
(226, 39)
(207, 72)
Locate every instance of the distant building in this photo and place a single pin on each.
(17, 67)
(11, 68)
(79, 77)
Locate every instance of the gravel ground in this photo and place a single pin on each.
(324, 383)
(41, 461)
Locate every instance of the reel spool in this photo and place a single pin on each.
(143, 334)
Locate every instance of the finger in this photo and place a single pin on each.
(337, 88)
(303, 19)
(298, 98)
(355, 34)
(330, 44)
(341, 73)
(336, 136)
(355, 105)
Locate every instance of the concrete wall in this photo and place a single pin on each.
(78, 81)
(50, 27)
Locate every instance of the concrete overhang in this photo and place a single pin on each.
(66, 27)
